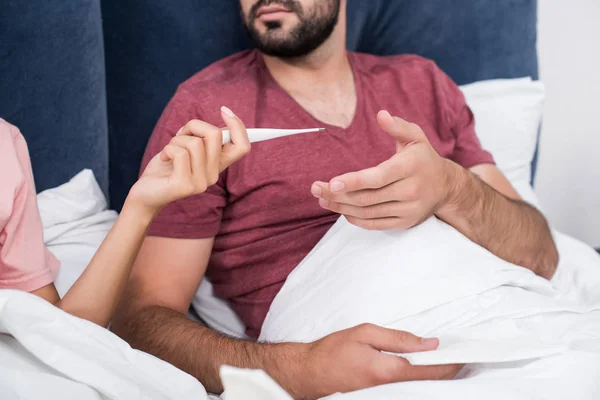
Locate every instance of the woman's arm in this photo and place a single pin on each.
(190, 163)
(95, 295)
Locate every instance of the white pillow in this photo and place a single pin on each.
(507, 113)
(71, 201)
(76, 220)
(216, 312)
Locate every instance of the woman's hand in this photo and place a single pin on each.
(190, 163)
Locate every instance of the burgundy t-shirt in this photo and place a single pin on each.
(261, 211)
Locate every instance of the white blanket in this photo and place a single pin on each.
(53, 355)
(48, 354)
(522, 336)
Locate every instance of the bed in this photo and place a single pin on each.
(89, 98)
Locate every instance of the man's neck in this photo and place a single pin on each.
(322, 68)
(322, 83)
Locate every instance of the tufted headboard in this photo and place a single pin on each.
(52, 85)
(152, 46)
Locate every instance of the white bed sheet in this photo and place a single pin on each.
(522, 336)
(53, 355)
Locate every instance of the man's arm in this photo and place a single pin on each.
(152, 317)
(417, 183)
(484, 206)
(153, 313)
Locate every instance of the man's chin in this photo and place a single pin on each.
(274, 38)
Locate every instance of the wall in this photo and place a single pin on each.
(568, 180)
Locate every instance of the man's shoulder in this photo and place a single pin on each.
(232, 70)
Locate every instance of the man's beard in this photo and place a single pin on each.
(312, 31)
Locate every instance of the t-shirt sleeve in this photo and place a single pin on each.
(461, 123)
(25, 262)
(197, 216)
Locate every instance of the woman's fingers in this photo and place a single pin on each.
(213, 141)
(219, 157)
(198, 156)
(196, 149)
(240, 143)
(182, 166)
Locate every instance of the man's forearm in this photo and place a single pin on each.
(511, 229)
(201, 351)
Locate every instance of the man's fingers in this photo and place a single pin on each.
(387, 172)
(405, 191)
(393, 341)
(392, 369)
(383, 210)
(430, 372)
(370, 178)
(240, 143)
(403, 131)
(362, 198)
(380, 224)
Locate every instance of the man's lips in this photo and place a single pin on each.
(272, 12)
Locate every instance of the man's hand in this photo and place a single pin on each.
(398, 193)
(417, 183)
(190, 163)
(352, 359)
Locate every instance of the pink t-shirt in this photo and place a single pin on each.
(261, 211)
(25, 263)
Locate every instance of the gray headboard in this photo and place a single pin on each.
(53, 56)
